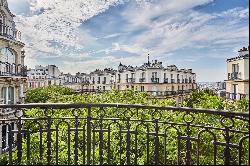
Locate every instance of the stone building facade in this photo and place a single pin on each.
(13, 73)
(42, 76)
(237, 83)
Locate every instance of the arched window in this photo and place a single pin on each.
(7, 55)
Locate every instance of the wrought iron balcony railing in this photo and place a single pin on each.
(234, 76)
(9, 32)
(142, 79)
(7, 69)
(79, 134)
(155, 80)
(235, 96)
(130, 80)
(165, 80)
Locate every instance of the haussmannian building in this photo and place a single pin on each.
(237, 83)
(13, 73)
(151, 77)
(42, 76)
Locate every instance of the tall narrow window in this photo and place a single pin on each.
(7, 94)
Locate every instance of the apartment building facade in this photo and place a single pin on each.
(237, 83)
(151, 77)
(157, 80)
(42, 76)
(13, 73)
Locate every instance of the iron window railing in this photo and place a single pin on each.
(235, 96)
(130, 80)
(9, 32)
(125, 134)
(7, 69)
(142, 79)
(155, 80)
(165, 80)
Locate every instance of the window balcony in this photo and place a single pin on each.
(7, 69)
(234, 76)
(165, 80)
(180, 91)
(142, 79)
(9, 32)
(178, 81)
(104, 82)
(172, 81)
(235, 96)
(130, 80)
(155, 80)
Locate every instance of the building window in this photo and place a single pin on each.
(154, 74)
(7, 95)
(143, 75)
(142, 88)
(235, 68)
(7, 55)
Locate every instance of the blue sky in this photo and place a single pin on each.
(82, 35)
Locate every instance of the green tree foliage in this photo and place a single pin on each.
(43, 95)
(198, 99)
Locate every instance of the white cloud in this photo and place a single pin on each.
(165, 27)
(58, 21)
(185, 28)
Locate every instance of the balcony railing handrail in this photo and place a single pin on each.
(12, 69)
(9, 32)
(118, 105)
(86, 128)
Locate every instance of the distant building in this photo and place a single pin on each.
(43, 76)
(237, 83)
(71, 81)
(220, 85)
(151, 77)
